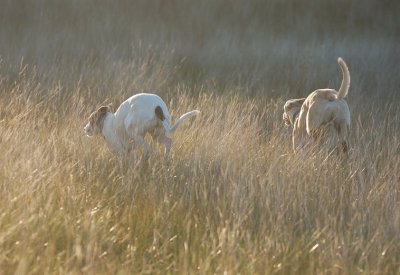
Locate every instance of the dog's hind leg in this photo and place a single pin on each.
(342, 129)
(166, 141)
(317, 120)
(167, 144)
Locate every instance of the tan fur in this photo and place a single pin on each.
(323, 116)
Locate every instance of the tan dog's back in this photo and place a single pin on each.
(323, 108)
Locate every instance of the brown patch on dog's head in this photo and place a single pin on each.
(94, 125)
(95, 116)
(291, 109)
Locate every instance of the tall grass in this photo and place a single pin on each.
(233, 198)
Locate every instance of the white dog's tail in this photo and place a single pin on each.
(344, 87)
(165, 122)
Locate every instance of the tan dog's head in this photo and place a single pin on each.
(95, 124)
(291, 109)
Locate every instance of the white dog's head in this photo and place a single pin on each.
(96, 119)
(291, 110)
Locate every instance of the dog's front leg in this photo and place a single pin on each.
(139, 140)
(130, 154)
(297, 140)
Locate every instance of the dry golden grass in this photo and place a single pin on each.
(232, 198)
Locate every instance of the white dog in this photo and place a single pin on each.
(324, 113)
(126, 128)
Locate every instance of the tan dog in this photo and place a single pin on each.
(323, 116)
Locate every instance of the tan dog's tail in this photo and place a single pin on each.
(344, 87)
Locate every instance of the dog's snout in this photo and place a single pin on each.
(286, 119)
(87, 129)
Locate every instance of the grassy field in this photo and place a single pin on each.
(233, 198)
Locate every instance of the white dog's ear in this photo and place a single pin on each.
(103, 109)
(98, 114)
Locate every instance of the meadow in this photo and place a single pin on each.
(233, 198)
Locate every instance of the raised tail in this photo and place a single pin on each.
(344, 87)
(172, 129)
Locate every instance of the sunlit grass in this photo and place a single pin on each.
(231, 198)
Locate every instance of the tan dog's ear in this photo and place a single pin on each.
(286, 120)
(291, 110)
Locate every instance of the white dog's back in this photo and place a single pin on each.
(139, 105)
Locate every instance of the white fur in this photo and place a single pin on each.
(126, 128)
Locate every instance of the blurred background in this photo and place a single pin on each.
(265, 48)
